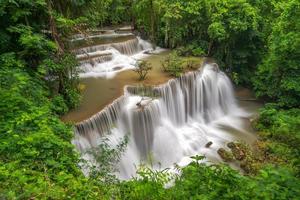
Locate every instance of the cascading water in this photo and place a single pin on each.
(170, 122)
(107, 59)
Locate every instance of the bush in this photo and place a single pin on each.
(37, 159)
(142, 69)
(191, 50)
(173, 65)
(280, 129)
(191, 64)
(58, 105)
(199, 181)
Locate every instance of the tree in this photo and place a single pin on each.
(142, 68)
(226, 30)
(278, 76)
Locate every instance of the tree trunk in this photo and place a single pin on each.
(167, 33)
(210, 47)
(53, 29)
(152, 18)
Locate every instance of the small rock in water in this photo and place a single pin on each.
(138, 104)
(117, 68)
(148, 52)
(208, 144)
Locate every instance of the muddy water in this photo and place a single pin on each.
(100, 91)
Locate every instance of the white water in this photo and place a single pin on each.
(108, 35)
(174, 123)
(107, 60)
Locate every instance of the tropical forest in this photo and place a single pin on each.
(150, 99)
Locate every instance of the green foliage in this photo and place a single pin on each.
(280, 128)
(35, 46)
(199, 181)
(278, 76)
(191, 50)
(146, 13)
(235, 78)
(191, 64)
(105, 159)
(148, 185)
(281, 123)
(40, 47)
(36, 156)
(106, 12)
(226, 30)
(39, 81)
(58, 105)
(173, 65)
(142, 69)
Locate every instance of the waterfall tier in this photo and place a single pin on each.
(108, 59)
(103, 53)
(128, 47)
(170, 122)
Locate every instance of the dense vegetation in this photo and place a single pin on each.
(256, 42)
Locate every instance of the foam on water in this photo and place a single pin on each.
(109, 59)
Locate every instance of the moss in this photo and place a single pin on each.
(225, 155)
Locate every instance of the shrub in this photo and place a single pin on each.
(280, 129)
(173, 65)
(191, 50)
(58, 105)
(191, 64)
(142, 69)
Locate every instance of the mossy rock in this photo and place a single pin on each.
(225, 155)
(238, 150)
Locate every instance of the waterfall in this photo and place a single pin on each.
(93, 59)
(169, 122)
(105, 52)
(128, 47)
(108, 59)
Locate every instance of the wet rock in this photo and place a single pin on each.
(237, 150)
(225, 155)
(231, 145)
(117, 68)
(143, 102)
(208, 144)
(239, 155)
(148, 52)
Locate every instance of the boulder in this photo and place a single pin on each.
(225, 155)
(237, 150)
